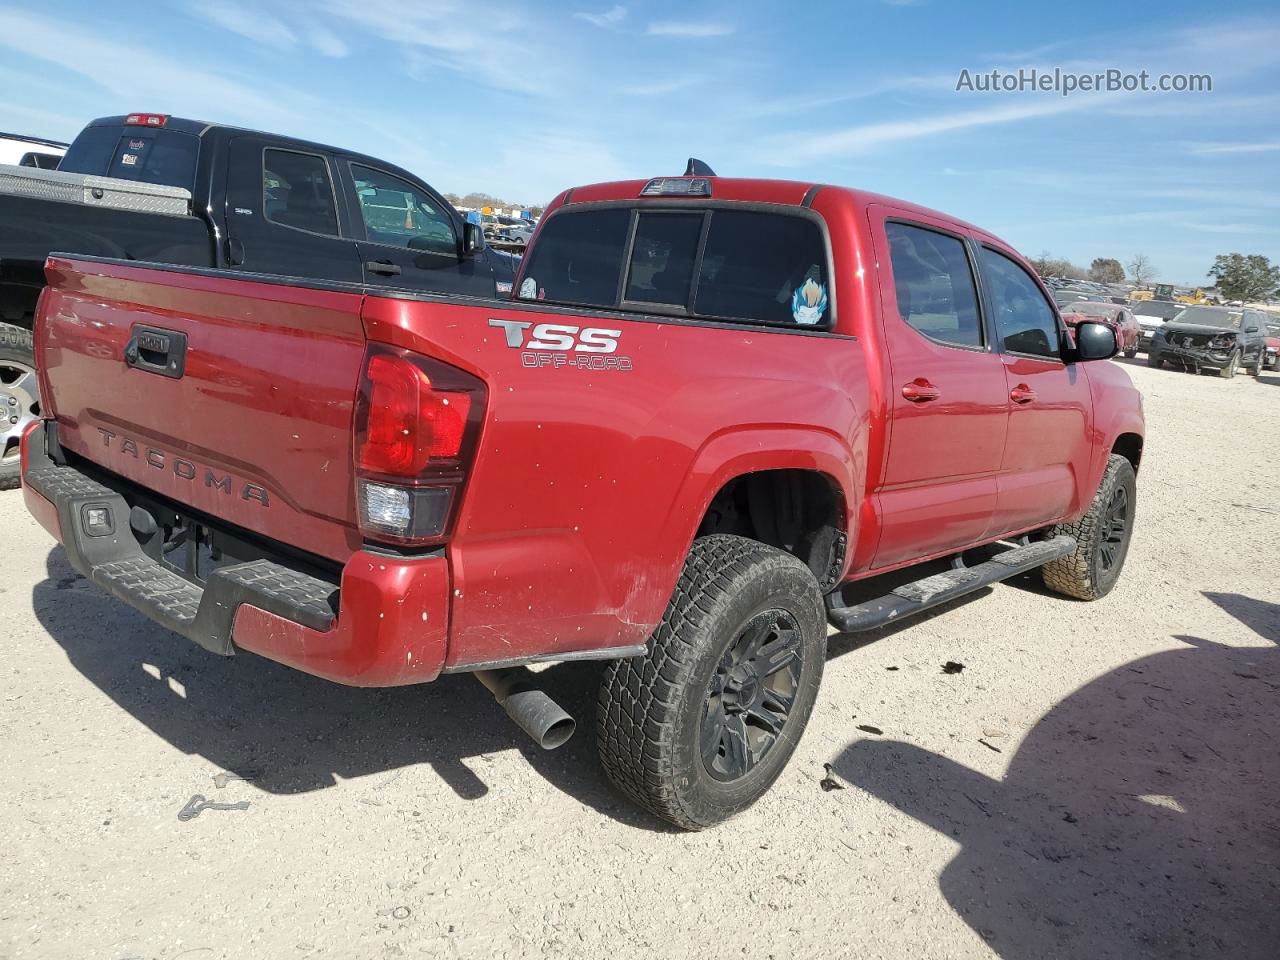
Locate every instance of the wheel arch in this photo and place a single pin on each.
(791, 488)
(1129, 446)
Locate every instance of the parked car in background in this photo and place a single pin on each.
(1120, 319)
(1151, 316)
(513, 230)
(1065, 296)
(20, 151)
(1222, 339)
(1272, 348)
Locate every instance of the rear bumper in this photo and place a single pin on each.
(385, 623)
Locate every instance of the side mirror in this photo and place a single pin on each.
(472, 240)
(1095, 341)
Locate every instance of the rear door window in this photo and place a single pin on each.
(297, 191)
(934, 285)
(718, 264)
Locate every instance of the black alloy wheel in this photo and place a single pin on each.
(1116, 534)
(751, 695)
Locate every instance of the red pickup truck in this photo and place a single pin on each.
(710, 405)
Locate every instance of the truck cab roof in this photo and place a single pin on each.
(799, 193)
(203, 130)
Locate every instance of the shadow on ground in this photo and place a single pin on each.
(1140, 818)
(300, 733)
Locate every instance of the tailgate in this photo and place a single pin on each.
(230, 396)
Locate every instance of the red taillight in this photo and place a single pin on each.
(416, 425)
(410, 422)
(146, 119)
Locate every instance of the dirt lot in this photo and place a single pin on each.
(1100, 781)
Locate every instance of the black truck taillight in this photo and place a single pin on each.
(417, 422)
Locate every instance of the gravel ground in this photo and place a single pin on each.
(1100, 781)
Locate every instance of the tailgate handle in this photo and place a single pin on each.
(384, 267)
(157, 351)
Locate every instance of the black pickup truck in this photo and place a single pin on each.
(159, 188)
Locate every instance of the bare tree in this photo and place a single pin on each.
(1141, 270)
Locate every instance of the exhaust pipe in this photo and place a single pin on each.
(532, 710)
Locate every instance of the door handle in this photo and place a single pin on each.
(157, 351)
(382, 267)
(920, 390)
(235, 252)
(1022, 394)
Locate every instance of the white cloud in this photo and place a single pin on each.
(607, 19)
(807, 103)
(262, 27)
(257, 25)
(861, 138)
(1211, 149)
(659, 88)
(495, 44)
(687, 28)
(325, 42)
(152, 81)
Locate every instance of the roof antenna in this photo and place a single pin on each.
(697, 168)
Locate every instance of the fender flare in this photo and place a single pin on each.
(1123, 422)
(738, 451)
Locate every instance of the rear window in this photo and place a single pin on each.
(578, 260)
(663, 257)
(144, 154)
(766, 267)
(719, 264)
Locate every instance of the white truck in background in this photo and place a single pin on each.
(20, 151)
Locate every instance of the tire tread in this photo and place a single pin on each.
(1071, 575)
(639, 697)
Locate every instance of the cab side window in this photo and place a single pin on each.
(1025, 323)
(934, 285)
(297, 192)
(398, 214)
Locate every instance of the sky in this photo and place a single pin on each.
(523, 99)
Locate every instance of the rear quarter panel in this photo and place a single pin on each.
(589, 484)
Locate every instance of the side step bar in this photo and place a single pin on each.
(912, 598)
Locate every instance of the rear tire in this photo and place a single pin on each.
(17, 384)
(700, 727)
(1260, 364)
(1102, 537)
